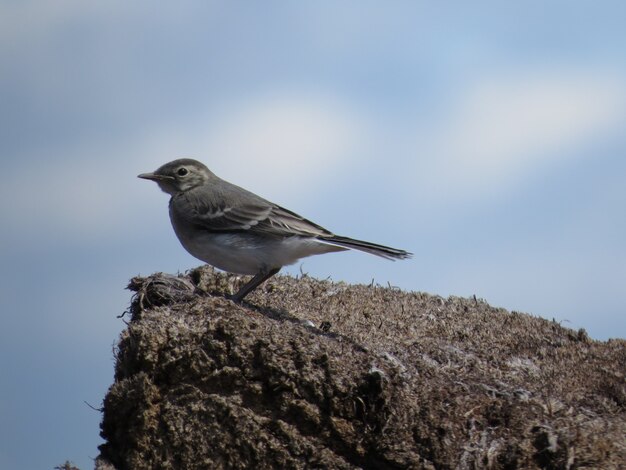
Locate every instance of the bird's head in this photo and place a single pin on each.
(179, 175)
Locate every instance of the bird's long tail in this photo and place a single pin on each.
(373, 248)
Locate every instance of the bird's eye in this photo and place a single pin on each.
(182, 171)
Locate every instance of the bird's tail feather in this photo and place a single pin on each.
(373, 248)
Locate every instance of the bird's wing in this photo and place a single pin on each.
(249, 213)
(284, 222)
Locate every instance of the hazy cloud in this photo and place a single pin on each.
(506, 127)
(274, 145)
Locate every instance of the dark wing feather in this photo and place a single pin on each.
(284, 222)
(245, 213)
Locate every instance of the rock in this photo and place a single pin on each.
(393, 380)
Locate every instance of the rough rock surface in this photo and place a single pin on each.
(316, 374)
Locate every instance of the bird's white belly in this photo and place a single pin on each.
(241, 254)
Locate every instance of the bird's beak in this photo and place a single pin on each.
(152, 176)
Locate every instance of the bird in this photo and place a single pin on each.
(239, 232)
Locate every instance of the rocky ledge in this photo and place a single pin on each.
(318, 374)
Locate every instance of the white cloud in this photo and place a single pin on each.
(283, 139)
(507, 127)
(279, 140)
(273, 145)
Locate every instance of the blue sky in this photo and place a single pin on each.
(487, 139)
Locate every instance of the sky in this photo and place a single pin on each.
(487, 138)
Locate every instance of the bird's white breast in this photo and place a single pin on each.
(245, 253)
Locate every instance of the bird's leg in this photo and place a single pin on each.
(253, 283)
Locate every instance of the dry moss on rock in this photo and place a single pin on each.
(392, 380)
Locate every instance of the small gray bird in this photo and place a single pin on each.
(237, 231)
